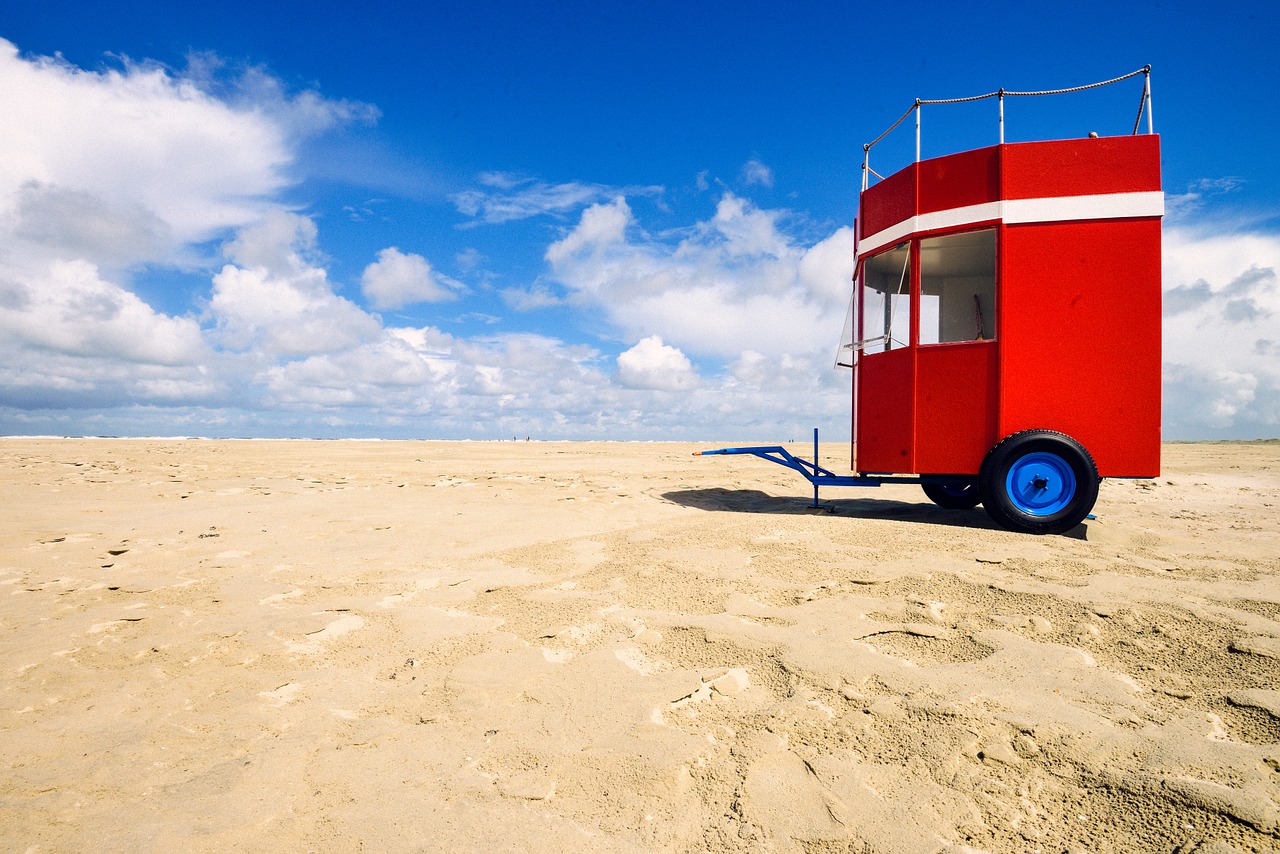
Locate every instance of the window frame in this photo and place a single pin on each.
(886, 338)
(989, 324)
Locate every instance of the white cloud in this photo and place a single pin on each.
(1221, 334)
(469, 259)
(274, 302)
(102, 172)
(747, 230)
(279, 242)
(1183, 207)
(179, 165)
(509, 384)
(735, 283)
(71, 310)
(653, 365)
(67, 335)
(253, 88)
(68, 223)
(530, 299)
(514, 197)
(756, 172)
(759, 371)
(398, 279)
(387, 371)
(826, 269)
(600, 227)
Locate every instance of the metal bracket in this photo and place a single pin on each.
(811, 471)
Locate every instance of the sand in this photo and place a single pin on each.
(420, 646)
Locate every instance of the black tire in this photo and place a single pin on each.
(1038, 482)
(953, 495)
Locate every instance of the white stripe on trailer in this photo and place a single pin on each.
(952, 218)
(1017, 211)
(1106, 206)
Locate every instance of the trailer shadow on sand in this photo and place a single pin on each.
(722, 499)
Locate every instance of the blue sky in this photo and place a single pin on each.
(574, 220)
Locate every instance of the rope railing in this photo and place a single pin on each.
(1143, 106)
(1146, 69)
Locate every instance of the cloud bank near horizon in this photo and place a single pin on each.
(722, 327)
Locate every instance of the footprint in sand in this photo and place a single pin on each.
(279, 597)
(923, 644)
(283, 695)
(724, 683)
(316, 640)
(112, 625)
(338, 628)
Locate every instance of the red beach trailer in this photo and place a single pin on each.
(1006, 325)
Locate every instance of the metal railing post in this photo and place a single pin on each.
(917, 130)
(1146, 74)
(815, 467)
(1000, 97)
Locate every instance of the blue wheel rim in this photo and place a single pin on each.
(1040, 484)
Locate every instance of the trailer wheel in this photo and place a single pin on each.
(953, 495)
(1038, 482)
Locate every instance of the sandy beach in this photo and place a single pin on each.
(429, 646)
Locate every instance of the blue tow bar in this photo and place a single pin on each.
(811, 471)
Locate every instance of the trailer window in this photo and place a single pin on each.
(886, 300)
(958, 287)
